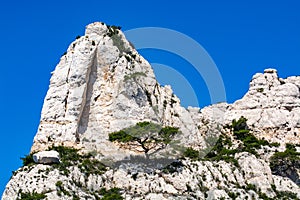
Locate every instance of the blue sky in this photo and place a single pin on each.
(242, 37)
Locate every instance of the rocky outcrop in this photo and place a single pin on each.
(272, 107)
(46, 157)
(102, 85)
(193, 180)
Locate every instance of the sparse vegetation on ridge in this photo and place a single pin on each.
(70, 157)
(112, 194)
(286, 163)
(28, 160)
(191, 153)
(113, 33)
(30, 196)
(223, 150)
(60, 189)
(134, 76)
(250, 142)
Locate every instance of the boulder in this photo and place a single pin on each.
(46, 157)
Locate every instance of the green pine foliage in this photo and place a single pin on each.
(191, 153)
(147, 134)
(112, 194)
(289, 157)
(70, 156)
(31, 196)
(223, 150)
(250, 142)
(28, 160)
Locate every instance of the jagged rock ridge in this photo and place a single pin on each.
(102, 85)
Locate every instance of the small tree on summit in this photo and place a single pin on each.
(150, 137)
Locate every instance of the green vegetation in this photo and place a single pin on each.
(250, 142)
(250, 187)
(70, 157)
(232, 195)
(113, 30)
(119, 43)
(289, 155)
(28, 160)
(88, 167)
(60, 189)
(120, 136)
(191, 153)
(31, 196)
(279, 194)
(134, 76)
(285, 195)
(112, 194)
(117, 38)
(222, 151)
(286, 163)
(148, 135)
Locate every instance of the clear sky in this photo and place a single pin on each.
(242, 37)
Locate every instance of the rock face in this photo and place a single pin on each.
(46, 157)
(102, 85)
(272, 107)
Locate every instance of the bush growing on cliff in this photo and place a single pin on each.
(28, 160)
(112, 194)
(286, 163)
(191, 153)
(70, 156)
(134, 76)
(31, 196)
(223, 148)
(242, 133)
(222, 151)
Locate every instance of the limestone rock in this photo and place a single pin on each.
(102, 85)
(271, 106)
(46, 157)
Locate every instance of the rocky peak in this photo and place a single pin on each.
(264, 81)
(272, 104)
(102, 85)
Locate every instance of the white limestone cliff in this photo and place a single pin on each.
(272, 107)
(102, 85)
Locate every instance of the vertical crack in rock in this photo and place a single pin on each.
(83, 118)
(65, 101)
